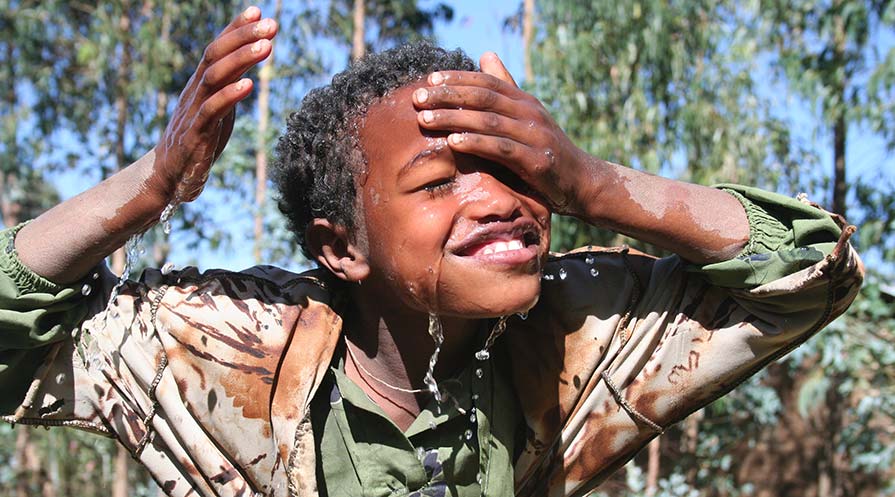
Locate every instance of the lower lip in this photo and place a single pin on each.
(506, 258)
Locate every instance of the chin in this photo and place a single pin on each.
(493, 300)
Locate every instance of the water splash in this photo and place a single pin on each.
(594, 272)
(522, 315)
(167, 214)
(496, 331)
(167, 268)
(562, 273)
(131, 253)
(589, 260)
(437, 333)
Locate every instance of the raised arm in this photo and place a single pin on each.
(492, 118)
(90, 226)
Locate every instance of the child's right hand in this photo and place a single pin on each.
(203, 119)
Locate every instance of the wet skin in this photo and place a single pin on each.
(447, 232)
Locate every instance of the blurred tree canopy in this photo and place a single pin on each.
(701, 90)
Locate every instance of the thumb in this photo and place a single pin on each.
(491, 64)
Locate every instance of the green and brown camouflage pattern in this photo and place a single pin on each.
(207, 378)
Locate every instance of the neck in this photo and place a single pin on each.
(393, 345)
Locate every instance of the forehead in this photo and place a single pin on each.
(389, 133)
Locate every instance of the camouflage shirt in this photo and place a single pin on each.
(208, 378)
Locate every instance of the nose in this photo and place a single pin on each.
(493, 201)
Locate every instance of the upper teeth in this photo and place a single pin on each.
(499, 246)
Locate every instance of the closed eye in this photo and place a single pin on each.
(439, 187)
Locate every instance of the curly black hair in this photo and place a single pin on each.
(319, 154)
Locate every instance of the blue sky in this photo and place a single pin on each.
(478, 27)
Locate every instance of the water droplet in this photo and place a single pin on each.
(420, 453)
(522, 315)
(483, 355)
(437, 334)
(86, 289)
(95, 276)
(475, 397)
(589, 259)
(562, 273)
(432, 425)
(166, 216)
(594, 272)
(478, 478)
(479, 373)
(167, 268)
(548, 277)
(467, 434)
(472, 418)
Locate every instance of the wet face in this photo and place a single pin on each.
(445, 232)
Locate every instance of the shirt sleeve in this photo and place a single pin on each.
(786, 235)
(34, 314)
(625, 345)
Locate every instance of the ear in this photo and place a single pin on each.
(331, 245)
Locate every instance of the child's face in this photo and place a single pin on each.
(449, 233)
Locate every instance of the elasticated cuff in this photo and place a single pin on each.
(26, 280)
(766, 233)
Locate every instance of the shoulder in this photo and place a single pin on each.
(609, 273)
(263, 283)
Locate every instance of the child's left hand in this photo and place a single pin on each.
(490, 117)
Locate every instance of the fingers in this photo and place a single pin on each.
(250, 14)
(488, 123)
(498, 149)
(232, 40)
(235, 64)
(464, 97)
(478, 79)
(216, 107)
(491, 64)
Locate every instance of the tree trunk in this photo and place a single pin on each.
(120, 481)
(119, 485)
(23, 464)
(840, 187)
(692, 442)
(840, 126)
(358, 44)
(528, 14)
(264, 77)
(652, 467)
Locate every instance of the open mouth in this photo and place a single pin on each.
(509, 242)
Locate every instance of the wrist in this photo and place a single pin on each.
(589, 188)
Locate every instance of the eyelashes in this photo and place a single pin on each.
(440, 187)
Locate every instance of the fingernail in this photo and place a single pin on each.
(421, 95)
(456, 138)
(262, 27)
(428, 116)
(256, 47)
(240, 85)
(247, 13)
(436, 78)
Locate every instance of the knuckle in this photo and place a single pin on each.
(505, 147)
(208, 56)
(491, 121)
(208, 79)
(489, 98)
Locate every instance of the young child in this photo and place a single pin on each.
(439, 349)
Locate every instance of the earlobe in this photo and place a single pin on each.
(331, 245)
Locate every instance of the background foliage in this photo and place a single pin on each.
(766, 92)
